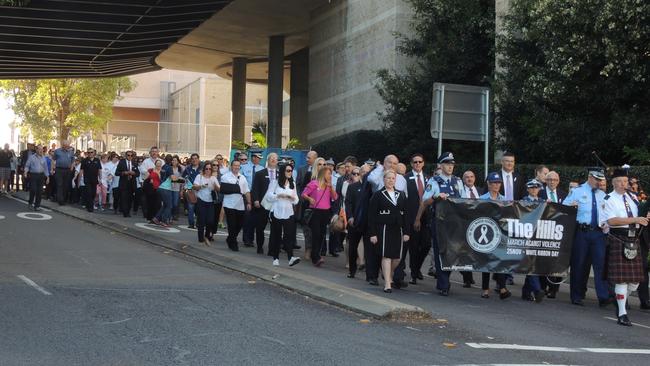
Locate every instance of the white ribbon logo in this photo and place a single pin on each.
(483, 238)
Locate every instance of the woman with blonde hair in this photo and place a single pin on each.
(319, 193)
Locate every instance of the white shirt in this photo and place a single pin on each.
(550, 197)
(116, 179)
(282, 207)
(207, 186)
(104, 178)
(507, 193)
(614, 207)
(235, 201)
(147, 164)
(466, 192)
(376, 179)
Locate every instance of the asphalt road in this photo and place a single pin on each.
(76, 294)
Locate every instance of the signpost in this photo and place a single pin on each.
(461, 112)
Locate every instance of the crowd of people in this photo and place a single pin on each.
(382, 210)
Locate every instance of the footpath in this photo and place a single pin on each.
(328, 283)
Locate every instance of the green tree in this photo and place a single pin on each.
(576, 78)
(63, 108)
(452, 41)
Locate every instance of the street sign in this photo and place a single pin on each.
(461, 112)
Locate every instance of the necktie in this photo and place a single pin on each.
(553, 197)
(128, 165)
(632, 231)
(471, 193)
(252, 176)
(508, 189)
(594, 209)
(420, 186)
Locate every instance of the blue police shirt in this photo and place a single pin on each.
(432, 189)
(582, 197)
(486, 196)
(247, 171)
(64, 157)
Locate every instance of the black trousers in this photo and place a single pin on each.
(419, 246)
(399, 274)
(152, 203)
(550, 284)
(126, 198)
(116, 198)
(500, 278)
(91, 192)
(217, 212)
(137, 199)
(318, 224)
(261, 219)
(372, 254)
(235, 222)
(205, 218)
(36, 188)
(283, 234)
(63, 184)
(643, 286)
(354, 237)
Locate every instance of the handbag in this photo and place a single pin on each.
(630, 249)
(339, 221)
(309, 212)
(265, 202)
(191, 196)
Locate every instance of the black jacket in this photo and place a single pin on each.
(561, 195)
(413, 200)
(518, 186)
(383, 211)
(125, 180)
(261, 183)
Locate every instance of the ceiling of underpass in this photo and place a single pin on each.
(94, 38)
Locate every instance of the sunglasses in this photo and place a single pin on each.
(129, 155)
(219, 158)
(288, 171)
(207, 169)
(355, 174)
(418, 162)
(243, 159)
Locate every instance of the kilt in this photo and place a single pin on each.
(5, 173)
(619, 268)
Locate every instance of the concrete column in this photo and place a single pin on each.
(276, 73)
(298, 108)
(238, 107)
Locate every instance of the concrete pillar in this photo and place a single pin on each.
(276, 73)
(238, 107)
(298, 111)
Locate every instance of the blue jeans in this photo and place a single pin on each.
(588, 244)
(176, 198)
(191, 208)
(532, 285)
(165, 212)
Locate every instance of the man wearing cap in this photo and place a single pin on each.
(624, 260)
(248, 170)
(532, 289)
(589, 242)
(440, 187)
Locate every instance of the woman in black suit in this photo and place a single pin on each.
(387, 226)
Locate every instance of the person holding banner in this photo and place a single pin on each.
(532, 289)
(388, 226)
(440, 187)
(624, 262)
(589, 242)
(494, 182)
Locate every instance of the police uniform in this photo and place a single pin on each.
(532, 288)
(452, 186)
(589, 240)
(249, 170)
(624, 260)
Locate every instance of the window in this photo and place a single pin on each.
(121, 143)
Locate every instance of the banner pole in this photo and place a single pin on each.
(487, 130)
(442, 115)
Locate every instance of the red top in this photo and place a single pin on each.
(155, 178)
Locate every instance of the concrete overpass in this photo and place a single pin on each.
(323, 52)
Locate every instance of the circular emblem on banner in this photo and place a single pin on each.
(484, 235)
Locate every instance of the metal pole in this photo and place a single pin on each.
(441, 119)
(487, 129)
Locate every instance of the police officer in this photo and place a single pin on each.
(589, 240)
(532, 289)
(248, 169)
(440, 187)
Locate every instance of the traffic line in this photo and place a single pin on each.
(633, 323)
(520, 347)
(25, 203)
(34, 285)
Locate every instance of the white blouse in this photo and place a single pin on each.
(282, 207)
(207, 186)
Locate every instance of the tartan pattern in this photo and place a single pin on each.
(619, 268)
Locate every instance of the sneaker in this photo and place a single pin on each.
(293, 261)
(37, 209)
(276, 262)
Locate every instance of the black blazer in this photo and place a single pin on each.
(382, 210)
(352, 201)
(302, 178)
(125, 182)
(518, 186)
(413, 200)
(261, 183)
(561, 195)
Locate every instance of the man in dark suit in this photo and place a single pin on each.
(302, 179)
(552, 193)
(514, 184)
(127, 170)
(260, 185)
(419, 244)
(470, 190)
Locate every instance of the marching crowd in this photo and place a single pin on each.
(384, 213)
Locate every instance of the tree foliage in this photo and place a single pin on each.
(575, 79)
(451, 41)
(63, 108)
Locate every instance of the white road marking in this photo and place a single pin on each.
(37, 216)
(185, 228)
(558, 349)
(117, 322)
(34, 285)
(25, 203)
(1, 217)
(160, 229)
(633, 323)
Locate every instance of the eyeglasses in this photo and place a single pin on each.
(355, 174)
(243, 159)
(129, 155)
(418, 162)
(219, 158)
(207, 169)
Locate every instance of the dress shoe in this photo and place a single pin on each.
(431, 272)
(260, 250)
(623, 320)
(604, 303)
(388, 291)
(467, 285)
(234, 248)
(413, 281)
(350, 275)
(578, 302)
(362, 267)
(504, 295)
(443, 292)
(335, 255)
(645, 305)
(419, 276)
(373, 282)
(296, 247)
(248, 244)
(400, 284)
(551, 295)
(528, 297)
